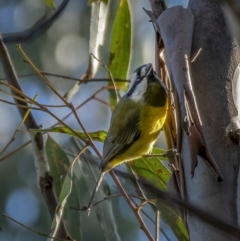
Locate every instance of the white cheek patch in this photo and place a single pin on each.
(143, 71)
(139, 91)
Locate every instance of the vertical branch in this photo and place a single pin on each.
(172, 127)
(44, 178)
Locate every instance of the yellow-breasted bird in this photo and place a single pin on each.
(136, 121)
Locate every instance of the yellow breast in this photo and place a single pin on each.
(151, 123)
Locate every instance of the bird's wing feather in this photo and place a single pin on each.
(121, 135)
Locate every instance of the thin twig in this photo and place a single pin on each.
(128, 200)
(27, 101)
(20, 106)
(103, 102)
(85, 102)
(32, 230)
(152, 220)
(41, 75)
(118, 97)
(107, 198)
(18, 128)
(15, 151)
(71, 78)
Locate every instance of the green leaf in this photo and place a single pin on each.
(155, 172)
(50, 3)
(71, 217)
(120, 48)
(63, 182)
(65, 192)
(58, 162)
(96, 136)
(171, 216)
(88, 173)
(152, 170)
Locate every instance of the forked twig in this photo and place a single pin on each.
(18, 128)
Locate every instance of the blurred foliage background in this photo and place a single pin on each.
(62, 49)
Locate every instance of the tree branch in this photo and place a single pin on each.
(44, 178)
(41, 25)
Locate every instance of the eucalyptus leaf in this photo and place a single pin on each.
(58, 162)
(171, 216)
(152, 170)
(61, 173)
(89, 174)
(65, 192)
(96, 136)
(120, 48)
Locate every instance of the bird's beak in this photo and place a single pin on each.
(149, 70)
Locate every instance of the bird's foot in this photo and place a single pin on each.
(168, 153)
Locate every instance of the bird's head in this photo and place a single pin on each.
(145, 84)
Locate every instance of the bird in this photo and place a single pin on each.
(136, 122)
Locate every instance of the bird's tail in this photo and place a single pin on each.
(94, 191)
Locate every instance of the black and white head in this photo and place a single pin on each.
(141, 78)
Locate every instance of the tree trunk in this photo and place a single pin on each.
(212, 73)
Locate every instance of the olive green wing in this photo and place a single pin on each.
(124, 129)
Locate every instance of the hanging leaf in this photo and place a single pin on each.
(89, 174)
(62, 175)
(171, 216)
(120, 49)
(65, 192)
(58, 162)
